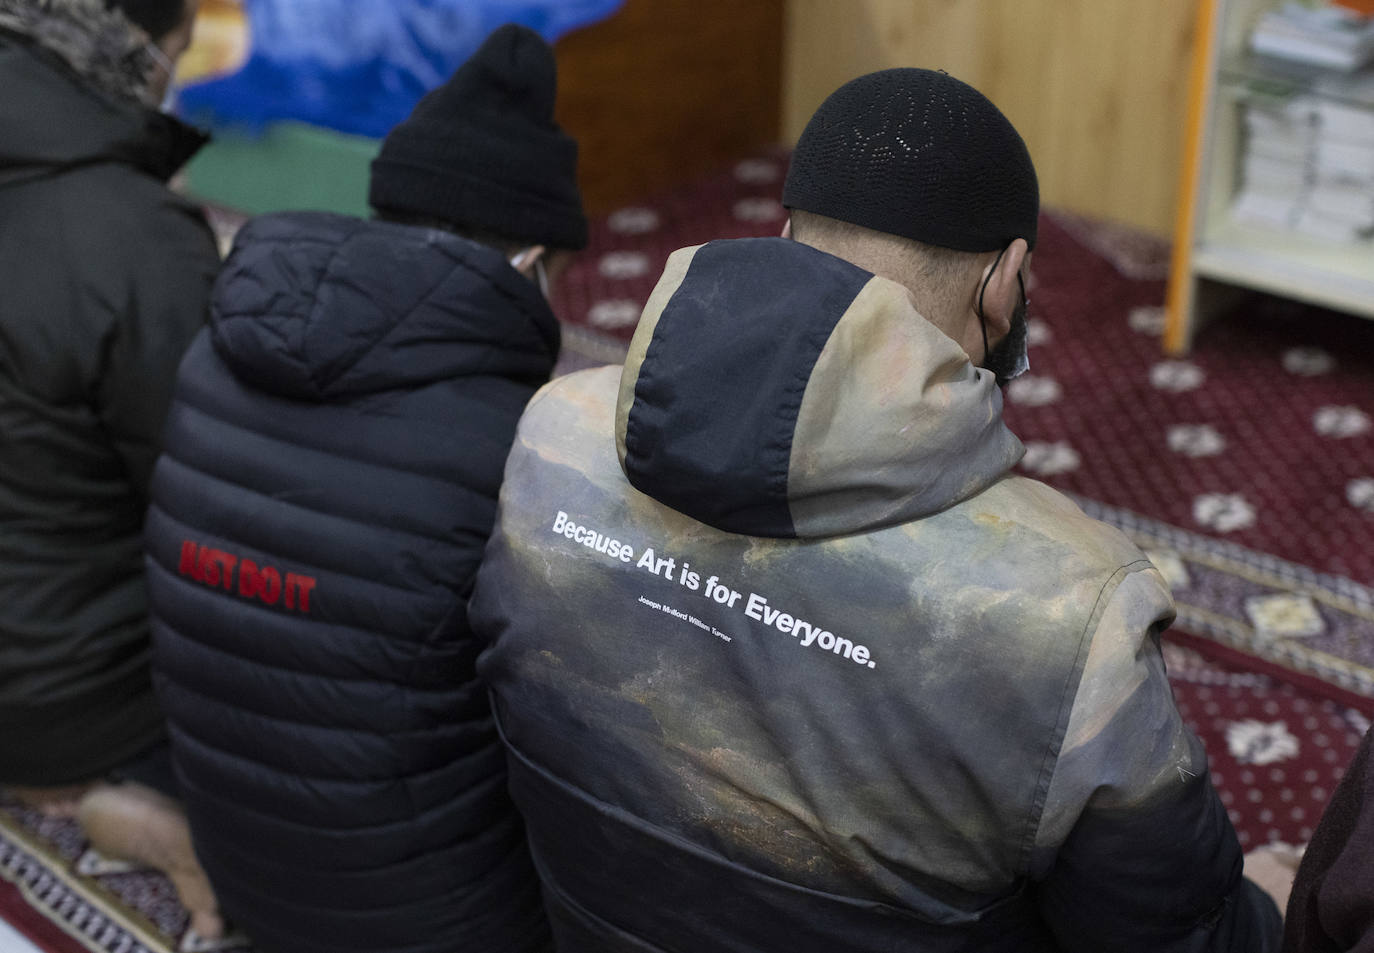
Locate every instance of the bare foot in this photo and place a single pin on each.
(53, 802)
(1272, 869)
(137, 824)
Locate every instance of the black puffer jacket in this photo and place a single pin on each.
(104, 277)
(333, 456)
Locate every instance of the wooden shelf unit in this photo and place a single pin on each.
(1215, 257)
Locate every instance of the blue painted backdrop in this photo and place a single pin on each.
(359, 66)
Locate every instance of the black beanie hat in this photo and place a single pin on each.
(916, 153)
(483, 151)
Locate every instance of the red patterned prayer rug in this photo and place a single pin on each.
(1276, 749)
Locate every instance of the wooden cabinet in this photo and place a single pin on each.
(664, 91)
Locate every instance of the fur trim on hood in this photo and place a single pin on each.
(103, 46)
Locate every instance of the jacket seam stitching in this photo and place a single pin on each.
(218, 478)
(1067, 697)
(409, 593)
(207, 646)
(185, 400)
(218, 749)
(238, 708)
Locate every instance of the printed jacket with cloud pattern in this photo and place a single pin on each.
(869, 691)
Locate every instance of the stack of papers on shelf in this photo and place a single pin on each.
(1276, 166)
(1328, 36)
(1344, 160)
(1308, 167)
(1341, 204)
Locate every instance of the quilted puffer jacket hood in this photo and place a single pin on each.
(823, 405)
(316, 306)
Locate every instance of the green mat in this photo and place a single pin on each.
(290, 166)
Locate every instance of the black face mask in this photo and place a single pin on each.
(1009, 359)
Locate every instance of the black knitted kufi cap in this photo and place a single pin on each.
(917, 153)
(483, 150)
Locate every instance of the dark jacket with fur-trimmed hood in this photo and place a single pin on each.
(104, 276)
(787, 659)
(332, 462)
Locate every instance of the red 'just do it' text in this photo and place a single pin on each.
(218, 569)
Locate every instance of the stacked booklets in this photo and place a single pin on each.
(1276, 164)
(1308, 167)
(1307, 164)
(1341, 203)
(1329, 36)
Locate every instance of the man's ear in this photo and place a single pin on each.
(524, 261)
(999, 288)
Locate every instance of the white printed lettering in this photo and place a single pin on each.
(753, 608)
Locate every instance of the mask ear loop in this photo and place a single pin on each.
(160, 59)
(983, 321)
(163, 62)
(542, 276)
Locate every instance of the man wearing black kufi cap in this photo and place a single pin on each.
(332, 463)
(786, 657)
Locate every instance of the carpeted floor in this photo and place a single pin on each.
(1246, 472)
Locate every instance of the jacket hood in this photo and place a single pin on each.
(73, 81)
(101, 45)
(316, 306)
(774, 390)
